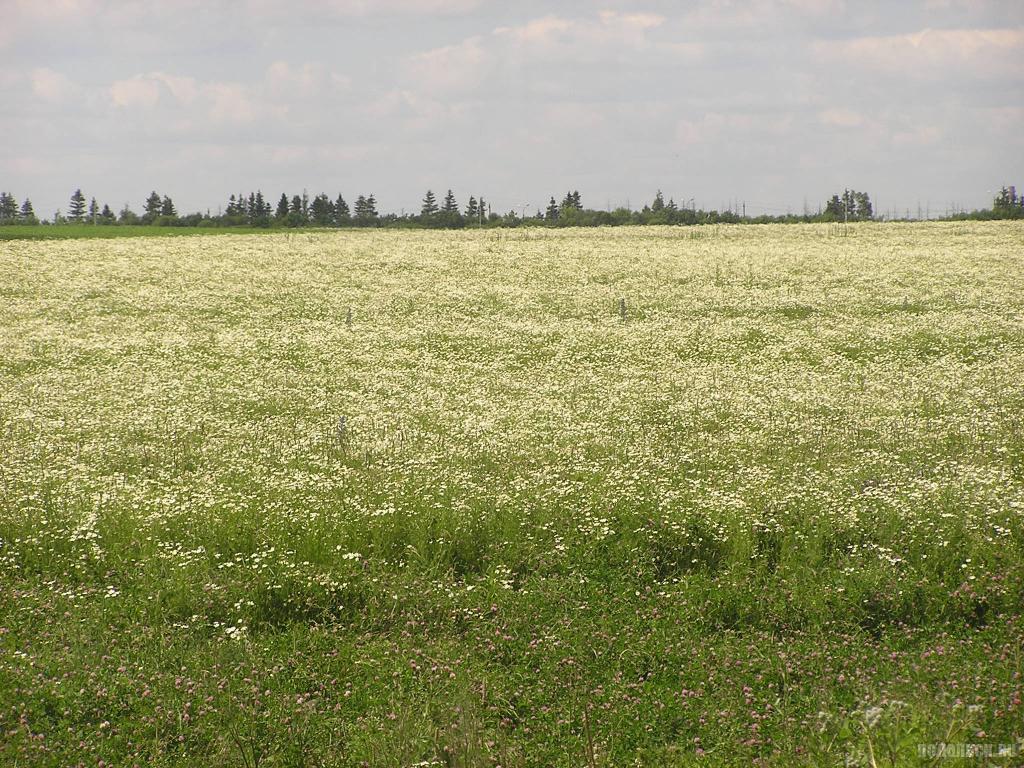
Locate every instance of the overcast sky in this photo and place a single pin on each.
(772, 102)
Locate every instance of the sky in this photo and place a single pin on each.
(769, 104)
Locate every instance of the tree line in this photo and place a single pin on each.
(322, 210)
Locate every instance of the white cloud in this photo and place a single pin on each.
(841, 117)
(452, 67)
(138, 91)
(934, 53)
(51, 86)
(608, 27)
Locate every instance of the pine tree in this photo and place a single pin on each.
(658, 204)
(282, 207)
(107, 215)
(28, 215)
(471, 209)
(552, 212)
(322, 210)
(127, 216)
(8, 208)
(94, 211)
(366, 210)
(429, 205)
(864, 208)
(342, 215)
(153, 205)
(262, 214)
(76, 210)
(167, 208)
(450, 206)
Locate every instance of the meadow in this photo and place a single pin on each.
(633, 497)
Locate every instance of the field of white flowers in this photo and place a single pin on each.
(526, 497)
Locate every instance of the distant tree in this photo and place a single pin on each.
(449, 215)
(107, 215)
(167, 208)
(471, 209)
(127, 216)
(152, 206)
(76, 209)
(1008, 204)
(659, 203)
(8, 208)
(850, 206)
(484, 209)
(94, 211)
(552, 212)
(429, 207)
(27, 214)
(342, 215)
(366, 210)
(571, 201)
(296, 217)
(863, 206)
(322, 211)
(282, 207)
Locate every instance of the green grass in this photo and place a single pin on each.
(427, 498)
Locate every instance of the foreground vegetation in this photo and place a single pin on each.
(537, 497)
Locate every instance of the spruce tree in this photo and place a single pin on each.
(322, 210)
(106, 215)
(76, 210)
(429, 205)
(153, 205)
(28, 215)
(342, 215)
(167, 208)
(658, 204)
(552, 212)
(471, 209)
(127, 216)
(450, 206)
(282, 207)
(94, 211)
(8, 208)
